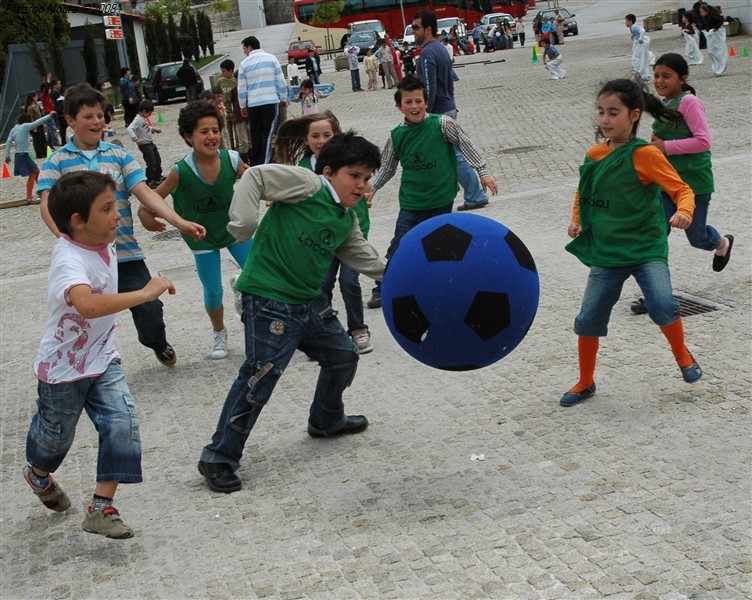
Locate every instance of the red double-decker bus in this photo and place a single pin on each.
(395, 15)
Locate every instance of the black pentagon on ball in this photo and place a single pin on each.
(488, 314)
(409, 320)
(446, 243)
(520, 251)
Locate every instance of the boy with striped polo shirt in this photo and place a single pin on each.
(84, 113)
(424, 144)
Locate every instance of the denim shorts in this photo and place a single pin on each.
(604, 288)
(108, 402)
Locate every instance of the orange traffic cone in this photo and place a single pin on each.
(732, 52)
(148, 122)
(6, 171)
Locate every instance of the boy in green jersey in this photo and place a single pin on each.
(309, 222)
(424, 144)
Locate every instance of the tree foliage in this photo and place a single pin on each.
(112, 64)
(172, 36)
(89, 54)
(195, 46)
(327, 13)
(163, 8)
(43, 21)
(164, 50)
(202, 33)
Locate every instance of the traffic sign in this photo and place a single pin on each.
(114, 34)
(112, 21)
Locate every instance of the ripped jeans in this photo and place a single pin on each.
(273, 331)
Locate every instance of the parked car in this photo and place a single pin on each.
(364, 40)
(409, 37)
(570, 25)
(372, 25)
(447, 23)
(163, 84)
(489, 21)
(298, 50)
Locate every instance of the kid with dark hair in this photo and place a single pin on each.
(201, 185)
(283, 307)
(84, 112)
(24, 165)
(424, 144)
(77, 366)
(619, 228)
(141, 131)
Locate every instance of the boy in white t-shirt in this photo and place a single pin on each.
(77, 365)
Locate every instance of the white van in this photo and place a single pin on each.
(374, 25)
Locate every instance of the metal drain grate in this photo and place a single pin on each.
(693, 306)
(520, 149)
(165, 236)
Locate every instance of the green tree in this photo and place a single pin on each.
(42, 21)
(130, 47)
(163, 8)
(172, 36)
(209, 36)
(195, 46)
(327, 13)
(202, 37)
(221, 7)
(112, 65)
(150, 37)
(89, 54)
(164, 51)
(184, 37)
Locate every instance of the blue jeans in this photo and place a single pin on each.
(604, 288)
(349, 285)
(108, 402)
(699, 234)
(147, 317)
(406, 220)
(469, 180)
(355, 79)
(273, 331)
(209, 269)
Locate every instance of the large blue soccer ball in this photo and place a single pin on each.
(460, 292)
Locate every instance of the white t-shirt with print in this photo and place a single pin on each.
(73, 347)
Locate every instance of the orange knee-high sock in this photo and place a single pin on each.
(675, 335)
(587, 349)
(30, 185)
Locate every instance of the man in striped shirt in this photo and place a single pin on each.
(261, 91)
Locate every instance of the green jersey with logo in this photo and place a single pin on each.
(623, 222)
(695, 169)
(429, 165)
(207, 204)
(294, 246)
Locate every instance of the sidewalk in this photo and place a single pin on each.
(642, 492)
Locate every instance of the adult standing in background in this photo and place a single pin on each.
(187, 76)
(129, 95)
(262, 90)
(559, 26)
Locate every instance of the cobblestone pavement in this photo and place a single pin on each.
(642, 492)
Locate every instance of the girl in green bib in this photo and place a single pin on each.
(618, 228)
(201, 185)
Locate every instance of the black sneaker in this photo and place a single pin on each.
(638, 307)
(167, 356)
(220, 477)
(374, 302)
(720, 262)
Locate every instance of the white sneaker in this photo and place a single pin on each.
(362, 340)
(238, 297)
(219, 345)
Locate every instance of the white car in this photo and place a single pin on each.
(409, 36)
(447, 23)
(373, 25)
(489, 21)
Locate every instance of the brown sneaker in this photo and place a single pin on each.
(107, 522)
(52, 496)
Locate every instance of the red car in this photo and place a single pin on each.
(299, 50)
